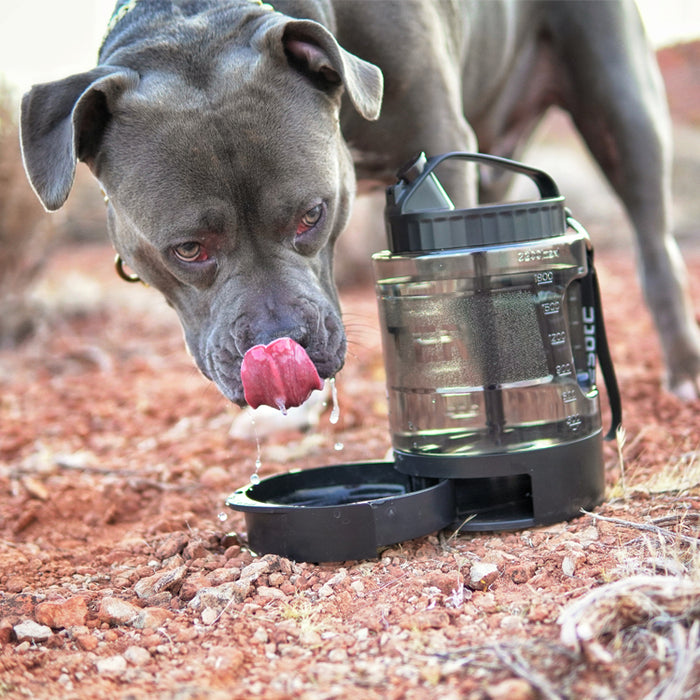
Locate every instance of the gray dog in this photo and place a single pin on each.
(228, 136)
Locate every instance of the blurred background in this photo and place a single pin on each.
(43, 40)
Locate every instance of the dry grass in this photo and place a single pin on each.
(25, 233)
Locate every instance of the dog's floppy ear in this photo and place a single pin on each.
(313, 48)
(63, 122)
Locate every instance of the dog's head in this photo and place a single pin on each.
(227, 175)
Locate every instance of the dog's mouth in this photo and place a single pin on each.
(279, 374)
(282, 373)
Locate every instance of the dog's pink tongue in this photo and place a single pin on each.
(280, 375)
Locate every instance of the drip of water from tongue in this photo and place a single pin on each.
(255, 477)
(280, 405)
(335, 412)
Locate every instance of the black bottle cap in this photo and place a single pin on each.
(420, 217)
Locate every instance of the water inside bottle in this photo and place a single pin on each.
(482, 355)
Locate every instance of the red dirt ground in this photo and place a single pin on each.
(116, 458)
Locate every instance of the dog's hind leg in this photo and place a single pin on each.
(618, 103)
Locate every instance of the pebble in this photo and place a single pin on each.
(86, 642)
(5, 631)
(171, 545)
(31, 631)
(481, 575)
(253, 571)
(138, 656)
(219, 597)
(426, 619)
(209, 616)
(160, 582)
(111, 665)
(327, 589)
(115, 611)
(511, 689)
(59, 614)
(272, 593)
(151, 618)
(214, 477)
(568, 566)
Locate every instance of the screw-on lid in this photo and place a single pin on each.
(420, 217)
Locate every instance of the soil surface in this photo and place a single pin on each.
(123, 574)
(116, 457)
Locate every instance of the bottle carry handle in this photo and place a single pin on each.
(545, 184)
(590, 297)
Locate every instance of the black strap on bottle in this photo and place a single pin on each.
(593, 311)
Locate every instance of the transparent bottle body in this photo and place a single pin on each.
(485, 349)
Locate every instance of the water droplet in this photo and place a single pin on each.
(338, 446)
(222, 516)
(254, 479)
(281, 406)
(335, 412)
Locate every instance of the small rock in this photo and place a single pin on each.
(192, 585)
(254, 571)
(359, 587)
(511, 689)
(337, 655)
(164, 581)
(482, 575)
(426, 619)
(138, 656)
(445, 582)
(195, 550)
(260, 635)
(310, 638)
(327, 589)
(173, 544)
(209, 616)
(5, 631)
(111, 665)
(219, 597)
(151, 618)
(61, 614)
(224, 575)
(270, 593)
(568, 566)
(85, 642)
(225, 658)
(115, 611)
(522, 572)
(215, 477)
(31, 631)
(511, 622)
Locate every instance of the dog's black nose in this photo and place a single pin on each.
(263, 331)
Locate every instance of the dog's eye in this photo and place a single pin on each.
(310, 219)
(192, 251)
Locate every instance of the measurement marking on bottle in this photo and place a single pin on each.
(557, 338)
(568, 396)
(544, 278)
(551, 307)
(574, 421)
(563, 370)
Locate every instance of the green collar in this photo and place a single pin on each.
(120, 13)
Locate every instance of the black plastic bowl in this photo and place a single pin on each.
(341, 512)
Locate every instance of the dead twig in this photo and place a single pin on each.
(515, 662)
(686, 644)
(631, 601)
(645, 527)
